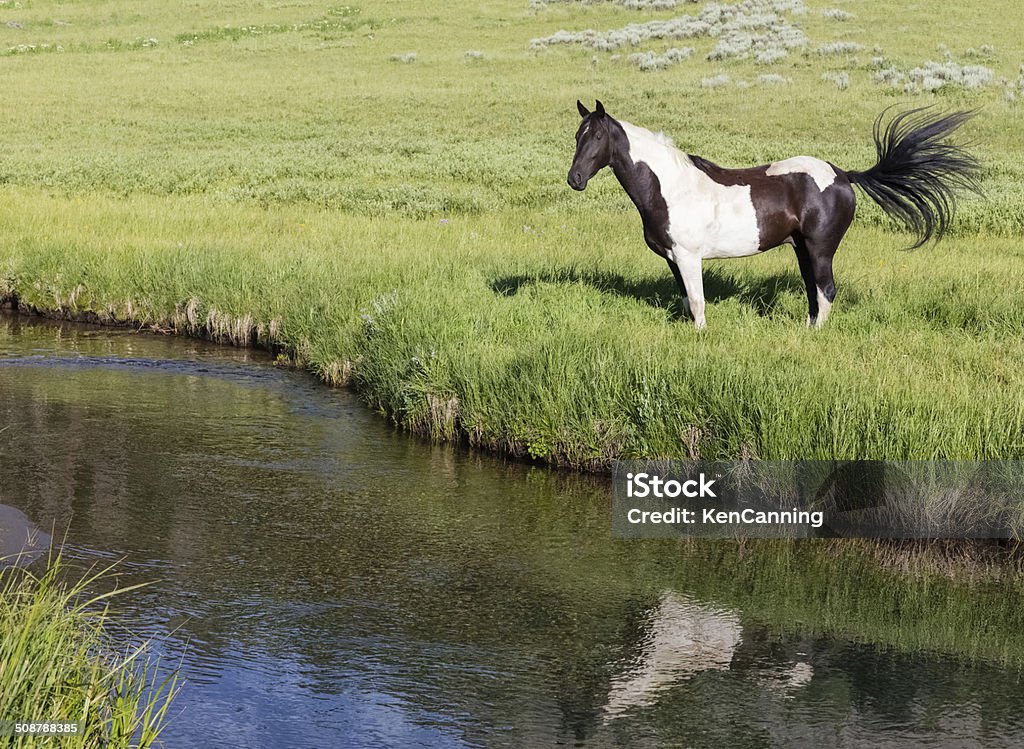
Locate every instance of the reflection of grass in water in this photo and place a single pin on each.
(956, 598)
(58, 664)
(898, 499)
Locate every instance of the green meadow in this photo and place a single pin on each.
(377, 192)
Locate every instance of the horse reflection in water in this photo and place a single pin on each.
(686, 638)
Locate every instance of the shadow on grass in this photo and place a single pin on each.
(761, 294)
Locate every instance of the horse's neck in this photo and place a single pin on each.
(672, 167)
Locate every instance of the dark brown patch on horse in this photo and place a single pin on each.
(784, 203)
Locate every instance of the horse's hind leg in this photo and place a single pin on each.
(822, 229)
(803, 257)
(815, 258)
(826, 286)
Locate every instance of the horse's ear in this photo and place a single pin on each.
(600, 107)
(583, 110)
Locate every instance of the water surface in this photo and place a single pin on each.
(324, 581)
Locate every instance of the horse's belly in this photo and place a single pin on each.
(722, 252)
(728, 229)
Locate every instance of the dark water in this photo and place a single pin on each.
(326, 582)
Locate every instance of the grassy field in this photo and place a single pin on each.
(380, 191)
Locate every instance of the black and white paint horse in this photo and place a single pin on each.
(693, 209)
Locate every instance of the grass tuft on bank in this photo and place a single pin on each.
(58, 665)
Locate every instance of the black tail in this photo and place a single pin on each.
(917, 174)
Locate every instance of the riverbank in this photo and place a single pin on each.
(532, 353)
(388, 209)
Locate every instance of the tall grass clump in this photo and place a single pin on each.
(716, 81)
(985, 50)
(840, 48)
(1012, 88)
(58, 664)
(933, 76)
(836, 14)
(773, 79)
(841, 79)
(652, 61)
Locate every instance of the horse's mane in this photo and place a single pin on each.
(663, 139)
(659, 137)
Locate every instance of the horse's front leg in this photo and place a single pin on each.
(680, 284)
(688, 265)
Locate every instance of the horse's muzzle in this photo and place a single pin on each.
(576, 181)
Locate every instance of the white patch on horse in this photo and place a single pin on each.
(820, 171)
(824, 307)
(706, 219)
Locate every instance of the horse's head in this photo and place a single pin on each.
(593, 146)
